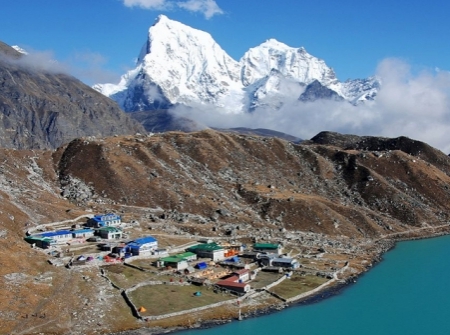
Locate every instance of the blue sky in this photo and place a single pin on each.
(99, 39)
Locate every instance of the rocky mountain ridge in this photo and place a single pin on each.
(43, 108)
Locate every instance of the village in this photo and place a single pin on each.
(207, 272)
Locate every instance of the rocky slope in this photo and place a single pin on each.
(364, 187)
(42, 108)
(333, 191)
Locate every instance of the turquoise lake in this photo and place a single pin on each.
(407, 293)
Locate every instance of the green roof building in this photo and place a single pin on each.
(189, 256)
(41, 242)
(268, 247)
(175, 262)
(110, 232)
(208, 250)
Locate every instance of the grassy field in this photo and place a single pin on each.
(296, 285)
(163, 299)
(126, 277)
(264, 278)
(145, 264)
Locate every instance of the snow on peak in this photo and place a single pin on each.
(185, 64)
(182, 65)
(274, 44)
(19, 49)
(162, 17)
(293, 63)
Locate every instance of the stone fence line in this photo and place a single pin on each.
(277, 282)
(193, 310)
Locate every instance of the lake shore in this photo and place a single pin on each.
(331, 288)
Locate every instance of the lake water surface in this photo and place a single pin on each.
(407, 293)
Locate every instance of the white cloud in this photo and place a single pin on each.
(87, 66)
(208, 8)
(40, 61)
(408, 104)
(147, 4)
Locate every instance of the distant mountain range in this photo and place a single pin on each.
(177, 66)
(182, 65)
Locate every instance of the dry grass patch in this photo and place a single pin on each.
(125, 276)
(264, 278)
(171, 241)
(163, 299)
(338, 257)
(296, 285)
(146, 264)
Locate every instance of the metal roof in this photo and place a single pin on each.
(266, 245)
(80, 231)
(137, 243)
(55, 233)
(110, 229)
(186, 254)
(205, 247)
(144, 240)
(173, 259)
(38, 238)
(103, 217)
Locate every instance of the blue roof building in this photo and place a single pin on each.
(58, 235)
(104, 220)
(142, 245)
(84, 233)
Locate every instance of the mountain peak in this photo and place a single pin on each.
(293, 63)
(161, 17)
(179, 64)
(273, 43)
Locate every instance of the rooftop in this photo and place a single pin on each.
(266, 245)
(37, 238)
(79, 231)
(186, 254)
(110, 229)
(205, 247)
(172, 259)
(54, 233)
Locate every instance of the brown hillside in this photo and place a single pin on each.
(311, 187)
(211, 184)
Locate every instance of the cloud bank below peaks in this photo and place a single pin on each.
(416, 105)
(208, 8)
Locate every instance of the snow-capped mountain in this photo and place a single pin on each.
(292, 63)
(182, 65)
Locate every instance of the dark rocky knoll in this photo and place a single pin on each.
(162, 120)
(316, 91)
(45, 109)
